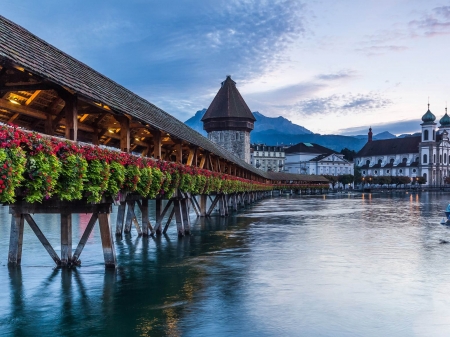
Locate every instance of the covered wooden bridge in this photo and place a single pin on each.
(42, 89)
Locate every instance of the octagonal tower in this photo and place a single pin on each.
(229, 121)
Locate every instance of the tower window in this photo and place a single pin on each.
(425, 158)
(425, 135)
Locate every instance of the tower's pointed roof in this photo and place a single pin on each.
(228, 103)
(428, 117)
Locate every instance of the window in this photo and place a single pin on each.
(367, 162)
(364, 172)
(380, 161)
(376, 172)
(434, 134)
(440, 158)
(387, 171)
(404, 160)
(434, 158)
(425, 135)
(414, 171)
(425, 158)
(400, 171)
(445, 159)
(392, 161)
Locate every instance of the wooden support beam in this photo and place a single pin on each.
(120, 218)
(179, 217)
(42, 239)
(66, 239)
(203, 200)
(84, 238)
(109, 251)
(27, 87)
(214, 203)
(147, 228)
(185, 214)
(124, 133)
(49, 128)
(195, 206)
(190, 160)
(179, 152)
(71, 115)
(15, 239)
(221, 205)
(156, 144)
(169, 220)
(13, 117)
(160, 215)
(32, 97)
(203, 160)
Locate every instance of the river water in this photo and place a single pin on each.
(334, 265)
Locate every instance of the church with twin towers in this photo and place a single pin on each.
(425, 154)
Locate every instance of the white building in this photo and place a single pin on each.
(267, 158)
(426, 154)
(310, 158)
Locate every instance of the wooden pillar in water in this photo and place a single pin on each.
(109, 251)
(158, 210)
(222, 205)
(16, 240)
(120, 218)
(203, 199)
(178, 217)
(185, 214)
(66, 239)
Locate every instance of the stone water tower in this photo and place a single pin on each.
(229, 121)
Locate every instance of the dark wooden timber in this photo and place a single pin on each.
(203, 200)
(120, 218)
(66, 239)
(179, 217)
(42, 239)
(109, 251)
(214, 203)
(16, 240)
(84, 238)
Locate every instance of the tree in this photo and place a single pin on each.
(421, 180)
(348, 154)
(332, 179)
(346, 179)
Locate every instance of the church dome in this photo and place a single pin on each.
(428, 117)
(445, 121)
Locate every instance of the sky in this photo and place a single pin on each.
(334, 67)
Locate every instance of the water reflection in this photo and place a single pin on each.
(349, 264)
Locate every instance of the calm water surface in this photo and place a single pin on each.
(346, 265)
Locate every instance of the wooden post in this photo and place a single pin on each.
(158, 205)
(185, 214)
(221, 205)
(179, 217)
(124, 133)
(129, 219)
(66, 239)
(214, 203)
(120, 218)
(16, 240)
(71, 115)
(169, 220)
(109, 252)
(203, 200)
(49, 130)
(156, 144)
(179, 152)
(146, 225)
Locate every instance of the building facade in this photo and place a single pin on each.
(310, 158)
(421, 155)
(229, 121)
(267, 158)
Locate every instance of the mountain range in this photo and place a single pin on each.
(281, 131)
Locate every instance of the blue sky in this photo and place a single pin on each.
(330, 66)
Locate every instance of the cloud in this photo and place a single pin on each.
(380, 50)
(343, 74)
(341, 104)
(431, 24)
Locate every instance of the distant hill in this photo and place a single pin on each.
(262, 123)
(334, 142)
(281, 131)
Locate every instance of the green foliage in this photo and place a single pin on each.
(187, 182)
(12, 167)
(348, 154)
(116, 178)
(157, 181)
(42, 172)
(145, 181)
(72, 177)
(98, 173)
(346, 179)
(132, 177)
(332, 179)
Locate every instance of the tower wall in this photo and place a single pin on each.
(236, 142)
